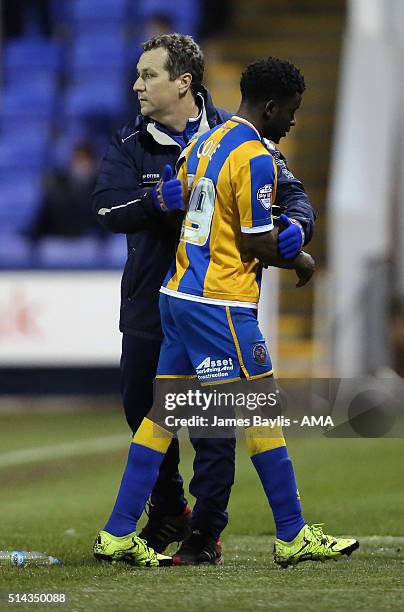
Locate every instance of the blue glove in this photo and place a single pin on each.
(291, 238)
(167, 194)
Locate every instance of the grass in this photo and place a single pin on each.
(353, 485)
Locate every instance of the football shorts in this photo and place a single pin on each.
(212, 342)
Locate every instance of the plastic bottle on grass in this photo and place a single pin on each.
(21, 558)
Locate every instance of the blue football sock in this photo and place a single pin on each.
(275, 470)
(138, 480)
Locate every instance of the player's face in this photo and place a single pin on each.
(157, 94)
(281, 117)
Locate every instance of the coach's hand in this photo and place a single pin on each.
(291, 237)
(305, 267)
(167, 194)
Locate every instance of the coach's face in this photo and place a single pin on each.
(157, 94)
(280, 117)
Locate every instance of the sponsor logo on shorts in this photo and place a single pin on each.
(215, 368)
(260, 353)
(264, 195)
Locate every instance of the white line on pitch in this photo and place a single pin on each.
(91, 446)
(384, 541)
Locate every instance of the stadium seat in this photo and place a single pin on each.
(98, 10)
(13, 125)
(35, 101)
(27, 77)
(115, 251)
(61, 12)
(77, 253)
(15, 251)
(92, 51)
(20, 197)
(30, 152)
(183, 13)
(31, 55)
(135, 11)
(98, 28)
(95, 98)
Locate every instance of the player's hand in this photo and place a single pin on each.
(167, 194)
(305, 267)
(291, 237)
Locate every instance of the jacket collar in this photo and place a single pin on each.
(161, 137)
(210, 109)
(208, 120)
(165, 139)
(204, 123)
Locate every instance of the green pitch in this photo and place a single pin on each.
(57, 506)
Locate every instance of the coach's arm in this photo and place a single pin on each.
(265, 248)
(291, 195)
(120, 204)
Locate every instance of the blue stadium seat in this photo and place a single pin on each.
(135, 11)
(183, 13)
(20, 197)
(97, 28)
(18, 150)
(115, 251)
(26, 77)
(31, 127)
(33, 55)
(15, 252)
(93, 51)
(99, 10)
(35, 101)
(95, 98)
(61, 12)
(77, 253)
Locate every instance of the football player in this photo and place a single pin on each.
(229, 181)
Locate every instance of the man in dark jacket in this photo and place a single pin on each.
(175, 107)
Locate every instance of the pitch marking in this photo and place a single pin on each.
(91, 446)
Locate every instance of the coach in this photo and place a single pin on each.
(129, 198)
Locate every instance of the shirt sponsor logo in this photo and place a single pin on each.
(264, 195)
(207, 149)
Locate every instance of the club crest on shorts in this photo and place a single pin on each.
(264, 195)
(260, 353)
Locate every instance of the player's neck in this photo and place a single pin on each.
(177, 118)
(244, 112)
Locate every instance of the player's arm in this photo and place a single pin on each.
(265, 248)
(255, 187)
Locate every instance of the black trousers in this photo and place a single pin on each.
(215, 463)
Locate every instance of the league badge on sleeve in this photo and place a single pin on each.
(264, 195)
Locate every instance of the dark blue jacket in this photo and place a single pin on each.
(123, 204)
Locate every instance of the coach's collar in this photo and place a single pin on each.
(203, 118)
(165, 139)
(161, 137)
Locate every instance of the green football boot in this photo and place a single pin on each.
(128, 549)
(311, 544)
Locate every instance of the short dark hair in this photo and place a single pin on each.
(271, 78)
(183, 55)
